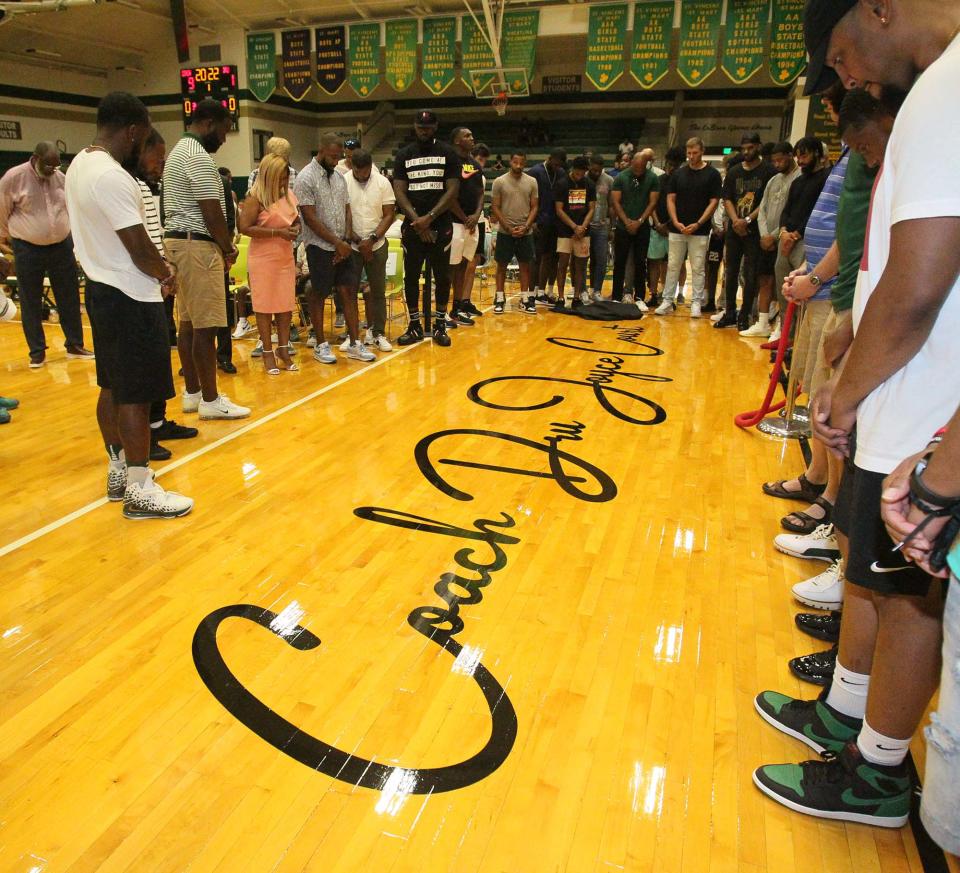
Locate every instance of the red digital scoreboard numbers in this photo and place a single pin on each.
(218, 81)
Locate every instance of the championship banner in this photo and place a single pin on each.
(295, 60)
(476, 55)
(439, 53)
(262, 65)
(820, 124)
(606, 40)
(699, 36)
(788, 56)
(331, 57)
(401, 53)
(743, 48)
(364, 58)
(518, 42)
(652, 32)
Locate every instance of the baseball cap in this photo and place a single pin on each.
(820, 17)
(425, 118)
(750, 137)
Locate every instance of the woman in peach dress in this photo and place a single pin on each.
(269, 217)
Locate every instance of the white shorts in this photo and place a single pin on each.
(579, 247)
(463, 246)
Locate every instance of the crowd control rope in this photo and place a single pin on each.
(750, 419)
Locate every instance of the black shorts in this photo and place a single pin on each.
(545, 239)
(509, 247)
(325, 275)
(872, 563)
(766, 263)
(132, 345)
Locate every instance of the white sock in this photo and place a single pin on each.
(878, 749)
(137, 474)
(848, 692)
(763, 319)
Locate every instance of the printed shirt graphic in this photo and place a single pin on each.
(471, 186)
(898, 418)
(576, 198)
(425, 169)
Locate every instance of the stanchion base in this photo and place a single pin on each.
(780, 427)
(800, 413)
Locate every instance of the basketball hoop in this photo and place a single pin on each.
(500, 102)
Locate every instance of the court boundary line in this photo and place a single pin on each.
(55, 525)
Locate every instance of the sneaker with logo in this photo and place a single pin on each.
(665, 308)
(546, 300)
(717, 315)
(116, 481)
(190, 402)
(813, 722)
(243, 328)
(824, 591)
(845, 788)
(345, 345)
(79, 353)
(530, 306)
(223, 408)
(440, 337)
(359, 352)
(642, 306)
(820, 626)
(817, 668)
(149, 500)
(462, 317)
(323, 354)
(257, 350)
(471, 310)
(757, 330)
(695, 310)
(450, 323)
(500, 305)
(821, 545)
(312, 340)
(413, 334)
(382, 343)
(597, 297)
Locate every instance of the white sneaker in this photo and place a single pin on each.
(190, 402)
(597, 297)
(695, 310)
(628, 298)
(717, 315)
(824, 591)
(243, 328)
(257, 350)
(345, 345)
(359, 352)
(775, 336)
(311, 342)
(756, 330)
(368, 339)
(149, 500)
(642, 306)
(821, 545)
(323, 354)
(382, 343)
(222, 407)
(665, 308)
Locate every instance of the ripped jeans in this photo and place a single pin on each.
(940, 809)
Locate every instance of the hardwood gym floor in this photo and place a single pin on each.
(585, 705)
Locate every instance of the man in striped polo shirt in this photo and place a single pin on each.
(198, 243)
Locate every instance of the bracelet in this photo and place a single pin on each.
(940, 434)
(923, 497)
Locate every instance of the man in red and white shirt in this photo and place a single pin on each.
(35, 225)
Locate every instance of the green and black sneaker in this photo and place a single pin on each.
(813, 722)
(846, 788)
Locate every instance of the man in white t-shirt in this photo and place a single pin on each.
(126, 283)
(899, 385)
(372, 211)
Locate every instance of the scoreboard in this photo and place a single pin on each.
(218, 81)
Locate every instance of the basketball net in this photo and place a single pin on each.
(500, 102)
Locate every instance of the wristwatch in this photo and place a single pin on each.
(921, 496)
(373, 237)
(749, 219)
(815, 280)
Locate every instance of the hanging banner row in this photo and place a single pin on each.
(748, 40)
(351, 54)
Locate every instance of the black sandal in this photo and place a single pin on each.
(808, 524)
(808, 492)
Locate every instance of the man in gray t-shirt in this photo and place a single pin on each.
(599, 226)
(514, 209)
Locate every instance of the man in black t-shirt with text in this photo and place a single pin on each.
(426, 180)
(693, 193)
(742, 193)
(575, 198)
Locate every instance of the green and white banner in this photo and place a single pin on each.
(364, 57)
(439, 53)
(476, 55)
(743, 47)
(518, 42)
(699, 37)
(606, 41)
(262, 65)
(401, 53)
(788, 56)
(652, 32)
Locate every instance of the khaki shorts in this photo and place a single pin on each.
(579, 247)
(199, 265)
(834, 320)
(807, 351)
